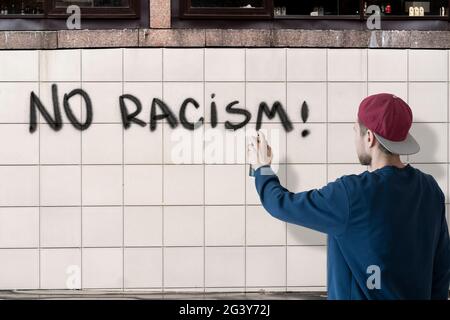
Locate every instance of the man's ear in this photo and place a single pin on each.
(371, 138)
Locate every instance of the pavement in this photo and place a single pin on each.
(140, 295)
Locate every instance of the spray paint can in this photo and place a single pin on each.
(251, 171)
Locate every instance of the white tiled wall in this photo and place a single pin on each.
(109, 208)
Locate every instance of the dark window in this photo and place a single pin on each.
(313, 9)
(97, 8)
(15, 8)
(92, 3)
(431, 8)
(226, 8)
(316, 7)
(227, 3)
(58, 8)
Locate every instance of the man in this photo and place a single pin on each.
(387, 233)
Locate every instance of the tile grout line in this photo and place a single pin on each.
(39, 177)
(123, 180)
(229, 81)
(204, 179)
(286, 149)
(81, 174)
(158, 289)
(273, 122)
(171, 246)
(326, 136)
(245, 177)
(193, 164)
(448, 135)
(134, 206)
(407, 87)
(367, 79)
(162, 180)
(251, 123)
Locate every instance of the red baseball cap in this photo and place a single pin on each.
(389, 118)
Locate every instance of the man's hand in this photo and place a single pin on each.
(259, 152)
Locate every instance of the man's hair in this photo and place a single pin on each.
(363, 130)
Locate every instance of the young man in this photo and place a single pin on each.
(387, 232)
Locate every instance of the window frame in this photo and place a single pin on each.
(131, 12)
(186, 11)
(51, 12)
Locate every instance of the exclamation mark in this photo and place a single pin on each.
(304, 112)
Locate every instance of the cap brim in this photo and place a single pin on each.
(407, 146)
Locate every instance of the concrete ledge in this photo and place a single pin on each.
(239, 38)
(172, 38)
(98, 38)
(28, 39)
(224, 38)
(428, 39)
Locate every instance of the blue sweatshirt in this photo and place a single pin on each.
(387, 232)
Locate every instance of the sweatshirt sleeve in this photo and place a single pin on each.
(441, 266)
(325, 210)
